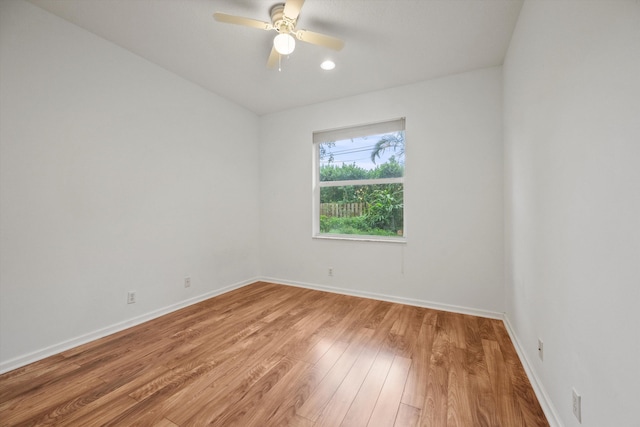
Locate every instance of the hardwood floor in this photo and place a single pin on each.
(272, 355)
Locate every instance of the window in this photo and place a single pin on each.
(359, 182)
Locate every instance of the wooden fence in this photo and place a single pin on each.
(341, 209)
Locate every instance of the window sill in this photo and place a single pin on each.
(356, 238)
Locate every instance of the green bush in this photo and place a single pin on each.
(384, 209)
(358, 225)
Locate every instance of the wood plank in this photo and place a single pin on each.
(456, 330)
(165, 423)
(378, 313)
(158, 392)
(316, 352)
(508, 408)
(255, 396)
(281, 403)
(298, 421)
(405, 330)
(485, 328)
(408, 416)
(386, 409)
(101, 413)
(340, 402)
(362, 406)
(481, 398)
(313, 407)
(191, 407)
(224, 383)
(415, 391)
(15, 386)
(458, 400)
(523, 392)
(356, 320)
(295, 395)
(434, 410)
(33, 370)
(110, 404)
(56, 414)
(34, 406)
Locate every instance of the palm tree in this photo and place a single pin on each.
(394, 141)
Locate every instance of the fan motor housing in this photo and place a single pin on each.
(281, 23)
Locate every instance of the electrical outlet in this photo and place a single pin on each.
(131, 297)
(540, 349)
(187, 282)
(577, 405)
(330, 272)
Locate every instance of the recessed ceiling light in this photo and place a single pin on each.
(328, 65)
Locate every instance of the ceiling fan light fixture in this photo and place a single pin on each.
(284, 43)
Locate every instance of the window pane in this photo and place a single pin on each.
(369, 157)
(374, 210)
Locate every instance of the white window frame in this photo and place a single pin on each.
(395, 125)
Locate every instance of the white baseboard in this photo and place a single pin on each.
(389, 298)
(26, 359)
(547, 406)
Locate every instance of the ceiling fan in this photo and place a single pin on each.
(284, 17)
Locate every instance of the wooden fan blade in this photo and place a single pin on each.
(239, 20)
(292, 9)
(273, 58)
(320, 39)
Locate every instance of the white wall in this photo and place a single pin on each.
(572, 151)
(453, 195)
(116, 175)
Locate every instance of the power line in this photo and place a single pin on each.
(351, 150)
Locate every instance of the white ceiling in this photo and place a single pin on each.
(388, 43)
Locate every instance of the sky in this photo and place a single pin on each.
(358, 151)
